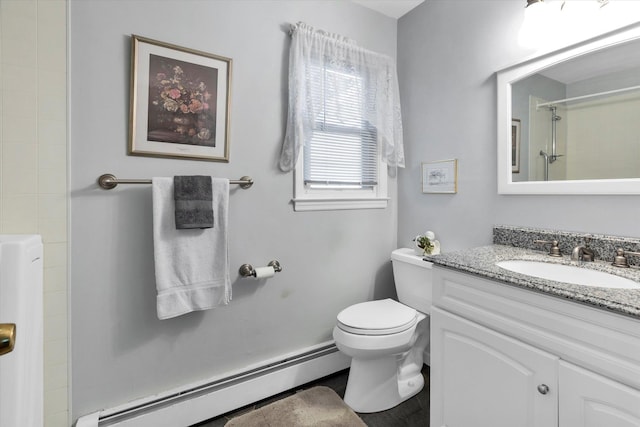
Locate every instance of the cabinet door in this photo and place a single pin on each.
(480, 377)
(591, 400)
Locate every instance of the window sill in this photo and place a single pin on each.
(301, 205)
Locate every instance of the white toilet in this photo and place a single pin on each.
(386, 339)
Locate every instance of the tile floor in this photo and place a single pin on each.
(411, 413)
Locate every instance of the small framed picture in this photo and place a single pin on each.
(440, 177)
(515, 145)
(180, 101)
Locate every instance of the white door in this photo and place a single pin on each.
(483, 378)
(591, 400)
(21, 348)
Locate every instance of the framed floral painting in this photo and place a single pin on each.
(180, 101)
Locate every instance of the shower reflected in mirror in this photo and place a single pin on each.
(579, 118)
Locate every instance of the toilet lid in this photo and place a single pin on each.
(380, 317)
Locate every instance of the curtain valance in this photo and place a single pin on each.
(381, 110)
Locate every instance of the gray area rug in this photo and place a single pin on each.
(318, 406)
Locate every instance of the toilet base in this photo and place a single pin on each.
(378, 382)
(374, 385)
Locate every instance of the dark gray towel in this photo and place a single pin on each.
(193, 201)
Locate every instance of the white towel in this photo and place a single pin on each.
(192, 266)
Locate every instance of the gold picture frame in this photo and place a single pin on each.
(179, 102)
(440, 177)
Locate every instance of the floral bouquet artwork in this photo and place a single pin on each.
(182, 102)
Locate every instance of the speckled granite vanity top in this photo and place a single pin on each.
(481, 261)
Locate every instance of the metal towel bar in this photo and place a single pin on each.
(108, 181)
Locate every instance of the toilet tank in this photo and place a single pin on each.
(413, 278)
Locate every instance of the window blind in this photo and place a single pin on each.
(342, 151)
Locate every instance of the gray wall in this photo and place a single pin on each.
(448, 54)
(121, 351)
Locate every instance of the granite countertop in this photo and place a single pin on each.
(481, 261)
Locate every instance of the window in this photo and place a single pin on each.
(342, 151)
(336, 122)
(340, 161)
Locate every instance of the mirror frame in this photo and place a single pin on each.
(506, 77)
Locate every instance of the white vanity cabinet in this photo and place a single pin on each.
(502, 356)
(591, 400)
(486, 378)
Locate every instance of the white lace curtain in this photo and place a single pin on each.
(310, 47)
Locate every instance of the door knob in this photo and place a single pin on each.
(7, 337)
(543, 389)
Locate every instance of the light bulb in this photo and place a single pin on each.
(533, 33)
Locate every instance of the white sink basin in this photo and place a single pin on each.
(568, 274)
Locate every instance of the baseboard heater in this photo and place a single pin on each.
(201, 401)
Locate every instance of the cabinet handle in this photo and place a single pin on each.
(543, 389)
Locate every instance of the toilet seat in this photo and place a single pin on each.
(382, 317)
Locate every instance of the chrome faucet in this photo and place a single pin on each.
(582, 253)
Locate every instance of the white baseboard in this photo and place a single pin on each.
(201, 402)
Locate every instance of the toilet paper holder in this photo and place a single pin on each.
(247, 270)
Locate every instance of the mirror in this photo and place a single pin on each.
(569, 122)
